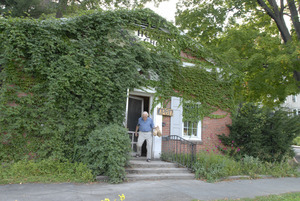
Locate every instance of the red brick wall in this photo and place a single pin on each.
(167, 121)
(211, 127)
(166, 129)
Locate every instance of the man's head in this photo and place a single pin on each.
(145, 115)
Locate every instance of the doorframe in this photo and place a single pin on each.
(157, 119)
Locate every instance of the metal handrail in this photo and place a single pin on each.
(179, 150)
(133, 143)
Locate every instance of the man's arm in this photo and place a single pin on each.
(136, 129)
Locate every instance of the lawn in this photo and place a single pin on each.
(285, 197)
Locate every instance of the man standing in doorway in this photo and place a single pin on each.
(145, 126)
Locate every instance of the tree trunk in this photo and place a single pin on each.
(62, 6)
(295, 17)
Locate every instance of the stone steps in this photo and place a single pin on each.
(155, 170)
(139, 169)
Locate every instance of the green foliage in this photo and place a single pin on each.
(200, 100)
(40, 8)
(27, 171)
(24, 8)
(75, 74)
(285, 196)
(296, 141)
(63, 78)
(212, 166)
(107, 152)
(262, 133)
(247, 43)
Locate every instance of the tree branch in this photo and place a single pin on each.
(275, 6)
(266, 8)
(287, 14)
(282, 7)
(285, 34)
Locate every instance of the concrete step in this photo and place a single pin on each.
(152, 164)
(156, 170)
(169, 176)
(140, 169)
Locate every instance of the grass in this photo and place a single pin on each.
(285, 197)
(45, 171)
(213, 167)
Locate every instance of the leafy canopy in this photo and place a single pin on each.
(251, 38)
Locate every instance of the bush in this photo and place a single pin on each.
(45, 171)
(296, 141)
(262, 133)
(212, 166)
(107, 152)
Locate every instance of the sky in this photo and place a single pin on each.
(165, 9)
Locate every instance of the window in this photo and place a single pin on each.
(190, 129)
(294, 99)
(296, 112)
(192, 123)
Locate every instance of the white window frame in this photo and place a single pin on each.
(199, 132)
(178, 110)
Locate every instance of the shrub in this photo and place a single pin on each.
(107, 152)
(262, 133)
(213, 166)
(296, 141)
(45, 171)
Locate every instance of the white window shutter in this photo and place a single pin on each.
(176, 119)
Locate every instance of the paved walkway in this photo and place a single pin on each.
(165, 190)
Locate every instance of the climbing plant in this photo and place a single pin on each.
(61, 78)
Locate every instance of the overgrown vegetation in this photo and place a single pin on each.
(46, 171)
(212, 166)
(296, 141)
(262, 133)
(63, 78)
(106, 152)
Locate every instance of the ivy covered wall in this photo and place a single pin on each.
(61, 79)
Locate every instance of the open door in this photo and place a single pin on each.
(135, 109)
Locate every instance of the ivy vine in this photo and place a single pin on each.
(62, 78)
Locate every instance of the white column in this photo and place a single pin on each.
(157, 141)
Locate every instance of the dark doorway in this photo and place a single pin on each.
(136, 105)
(135, 109)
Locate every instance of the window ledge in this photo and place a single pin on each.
(194, 140)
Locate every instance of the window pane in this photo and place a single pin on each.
(185, 131)
(190, 132)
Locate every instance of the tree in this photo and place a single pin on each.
(33, 8)
(252, 37)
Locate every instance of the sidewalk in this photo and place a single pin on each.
(165, 190)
